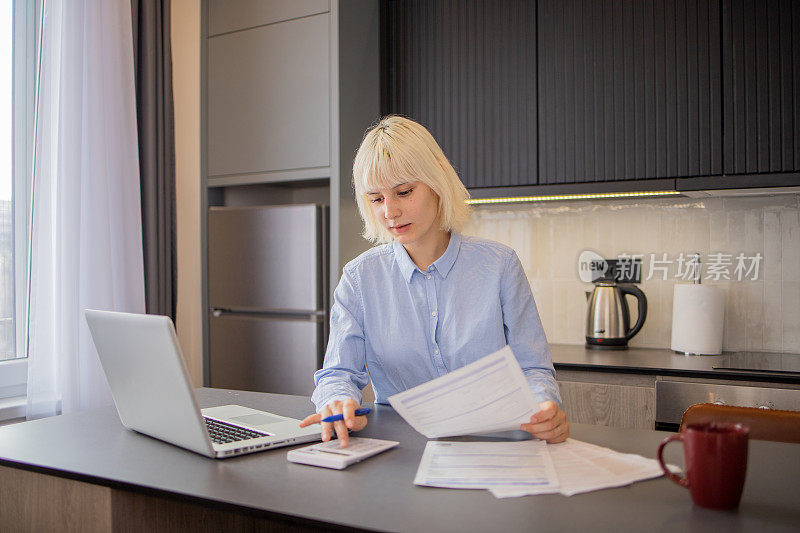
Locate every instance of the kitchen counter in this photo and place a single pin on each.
(657, 361)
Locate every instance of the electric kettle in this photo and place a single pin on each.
(607, 316)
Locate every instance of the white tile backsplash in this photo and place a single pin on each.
(754, 309)
(791, 313)
(790, 236)
(773, 316)
(753, 231)
(760, 315)
(773, 244)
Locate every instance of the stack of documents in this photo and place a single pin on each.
(523, 466)
(583, 467)
(492, 395)
(510, 469)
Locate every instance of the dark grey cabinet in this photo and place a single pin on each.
(761, 65)
(467, 71)
(628, 90)
(227, 16)
(269, 99)
(563, 93)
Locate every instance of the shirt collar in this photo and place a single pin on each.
(404, 262)
(445, 263)
(442, 265)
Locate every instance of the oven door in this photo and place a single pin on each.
(674, 397)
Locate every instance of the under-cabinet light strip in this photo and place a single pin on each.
(585, 196)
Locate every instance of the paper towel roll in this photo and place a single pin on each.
(698, 312)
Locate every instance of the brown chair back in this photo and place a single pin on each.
(764, 424)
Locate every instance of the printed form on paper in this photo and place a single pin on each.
(517, 466)
(583, 467)
(488, 395)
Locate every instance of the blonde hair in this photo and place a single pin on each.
(398, 150)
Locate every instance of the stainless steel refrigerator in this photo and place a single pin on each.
(268, 296)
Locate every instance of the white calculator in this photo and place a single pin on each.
(330, 455)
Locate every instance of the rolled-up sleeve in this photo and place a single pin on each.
(343, 372)
(524, 332)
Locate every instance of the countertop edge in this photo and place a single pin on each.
(655, 361)
(711, 374)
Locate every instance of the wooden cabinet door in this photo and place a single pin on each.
(628, 90)
(761, 54)
(622, 406)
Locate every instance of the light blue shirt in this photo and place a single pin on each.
(408, 326)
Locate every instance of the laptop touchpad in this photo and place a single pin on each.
(255, 420)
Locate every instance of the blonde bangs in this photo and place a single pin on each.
(384, 166)
(380, 172)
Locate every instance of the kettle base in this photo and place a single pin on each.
(606, 344)
(605, 347)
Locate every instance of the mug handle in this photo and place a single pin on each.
(682, 481)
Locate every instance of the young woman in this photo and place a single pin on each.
(428, 300)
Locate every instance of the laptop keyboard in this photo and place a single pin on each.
(222, 432)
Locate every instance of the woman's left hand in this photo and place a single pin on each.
(549, 424)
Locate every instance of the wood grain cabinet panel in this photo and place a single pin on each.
(622, 406)
(628, 90)
(34, 502)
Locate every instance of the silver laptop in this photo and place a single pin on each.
(142, 360)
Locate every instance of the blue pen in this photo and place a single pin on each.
(336, 418)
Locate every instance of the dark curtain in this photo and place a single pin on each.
(153, 71)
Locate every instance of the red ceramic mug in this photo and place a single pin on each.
(716, 462)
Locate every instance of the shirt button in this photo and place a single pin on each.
(433, 314)
(436, 351)
(428, 276)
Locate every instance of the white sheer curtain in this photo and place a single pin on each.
(86, 236)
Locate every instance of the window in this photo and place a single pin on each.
(18, 24)
(7, 334)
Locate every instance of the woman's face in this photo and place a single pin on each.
(408, 211)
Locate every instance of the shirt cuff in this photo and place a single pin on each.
(321, 398)
(544, 386)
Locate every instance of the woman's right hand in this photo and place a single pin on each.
(351, 421)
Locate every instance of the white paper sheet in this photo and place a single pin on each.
(583, 467)
(490, 394)
(482, 465)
